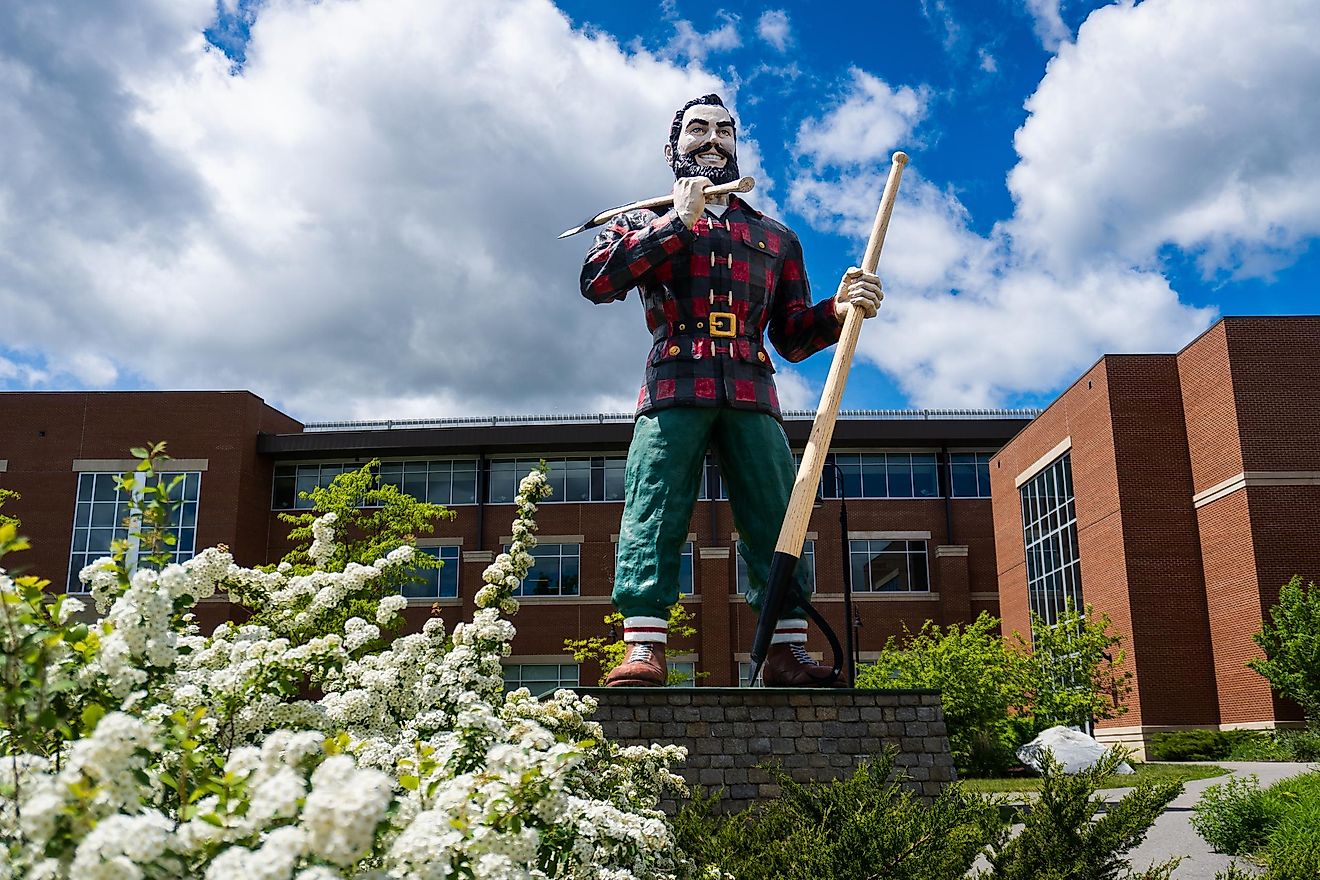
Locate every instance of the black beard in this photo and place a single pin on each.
(686, 165)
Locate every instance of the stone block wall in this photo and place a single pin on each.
(733, 734)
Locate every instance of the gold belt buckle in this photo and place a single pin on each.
(723, 324)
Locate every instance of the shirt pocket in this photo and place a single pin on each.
(762, 252)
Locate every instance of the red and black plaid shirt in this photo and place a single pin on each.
(711, 293)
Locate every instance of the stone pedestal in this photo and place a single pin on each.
(733, 734)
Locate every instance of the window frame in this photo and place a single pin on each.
(862, 585)
(451, 555)
(1048, 507)
(126, 525)
(558, 682)
(560, 556)
(332, 469)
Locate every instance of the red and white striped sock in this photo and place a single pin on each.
(790, 632)
(647, 629)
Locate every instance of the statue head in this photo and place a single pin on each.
(703, 141)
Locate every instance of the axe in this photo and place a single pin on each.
(789, 548)
(737, 186)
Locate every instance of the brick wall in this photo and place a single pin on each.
(732, 734)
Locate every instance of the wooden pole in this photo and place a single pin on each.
(803, 499)
(788, 550)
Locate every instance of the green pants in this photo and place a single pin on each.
(663, 477)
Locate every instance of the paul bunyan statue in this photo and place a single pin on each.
(715, 276)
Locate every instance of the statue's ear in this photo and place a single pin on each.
(669, 153)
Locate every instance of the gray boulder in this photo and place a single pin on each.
(1073, 749)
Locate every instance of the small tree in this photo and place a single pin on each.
(370, 519)
(1077, 669)
(1291, 642)
(8, 495)
(982, 682)
(609, 653)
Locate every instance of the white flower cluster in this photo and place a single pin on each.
(293, 750)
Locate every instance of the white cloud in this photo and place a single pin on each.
(695, 45)
(970, 319)
(988, 62)
(1179, 123)
(773, 27)
(363, 231)
(1048, 22)
(870, 120)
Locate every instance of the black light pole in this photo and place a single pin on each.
(850, 664)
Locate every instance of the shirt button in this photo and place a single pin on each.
(673, 350)
(760, 244)
(760, 356)
(700, 325)
(682, 326)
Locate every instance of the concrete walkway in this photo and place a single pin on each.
(1173, 835)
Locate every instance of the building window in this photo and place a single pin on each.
(808, 559)
(554, 573)
(436, 583)
(888, 566)
(437, 481)
(540, 678)
(969, 474)
(1049, 524)
(685, 667)
(684, 568)
(104, 513)
(745, 670)
(570, 479)
(884, 475)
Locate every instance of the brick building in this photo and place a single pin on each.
(1177, 493)
(920, 540)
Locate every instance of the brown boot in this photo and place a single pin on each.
(643, 666)
(790, 666)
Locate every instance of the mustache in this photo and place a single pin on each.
(728, 156)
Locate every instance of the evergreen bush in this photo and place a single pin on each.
(1062, 839)
(865, 826)
(1199, 745)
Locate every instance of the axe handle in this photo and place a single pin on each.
(800, 504)
(738, 186)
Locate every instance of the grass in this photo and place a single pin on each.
(1144, 773)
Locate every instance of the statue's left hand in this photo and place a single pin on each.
(860, 289)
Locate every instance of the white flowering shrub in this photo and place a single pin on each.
(303, 748)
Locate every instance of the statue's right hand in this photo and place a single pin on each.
(690, 199)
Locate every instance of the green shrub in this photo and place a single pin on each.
(863, 826)
(981, 680)
(1277, 745)
(1199, 745)
(1291, 642)
(1236, 817)
(1061, 839)
(1293, 850)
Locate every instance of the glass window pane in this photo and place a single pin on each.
(925, 479)
(873, 477)
(464, 486)
(962, 478)
(577, 480)
(285, 493)
(502, 484)
(900, 475)
(614, 468)
(889, 572)
(104, 487)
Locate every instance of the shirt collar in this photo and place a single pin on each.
(737, 204)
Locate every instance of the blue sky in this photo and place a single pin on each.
(349, 207)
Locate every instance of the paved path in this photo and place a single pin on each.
(1173, 835)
